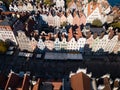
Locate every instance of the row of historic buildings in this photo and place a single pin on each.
(71, 38)
(100, 44)
(89, 11)
(24, 29)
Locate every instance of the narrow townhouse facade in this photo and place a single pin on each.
(7, 34)
(111, 44)
(90, 41)
(100, 47)
(64, 44)
(88, 45)
(24, 41)
(49, 44)
(57, 44)
(50, 20)
(116, 49)
(76, 19)
(97, 10)
(72, 44)
(72, 5)
(63, 18)
(29, 6)
(69, 18)
(56, 21)
(33, 43)
(95, 43)
(82, 18)
(7, 29)
(81, 44)
(60, 3)
(40, 44)
(95, 14)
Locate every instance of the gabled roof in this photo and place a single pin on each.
(102, 35)
(36, 86)
(77, 33)
(95, 35)
(13, 81)
(118, 37)
(111, 34)
(70, 34)
(57, 85)
(92, 6)
(72, 4)
(25, 83)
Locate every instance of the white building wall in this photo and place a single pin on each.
(58, 3)
(41, 44)
(86, 10)
(111, 44)
(107, 10)
(104, 42)
(57, 21)
(23, 41)
(100, 45)
(72, 44)
(7, 35)
(70, 19)
(94, 15)
(117, 48)
(64, 44)
(33, 43)
(80, 44)
(94, 44)
(57, 44)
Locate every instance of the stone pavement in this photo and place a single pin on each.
(59, 69)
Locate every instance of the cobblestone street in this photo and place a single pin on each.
(59, 69)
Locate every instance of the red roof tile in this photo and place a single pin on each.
(36, 86)
(13, 81)
(57, 85)
(25, 83)
(92, 6)
(80, 81)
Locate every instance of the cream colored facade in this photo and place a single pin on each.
(72, 44)
(6, 34)
(81, 43)
(111, 44)
(24, 42)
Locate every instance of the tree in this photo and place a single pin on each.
(116, 24)
(89, 0)
(7, 2)
(3, 47)
(63, 24)
(48, 2)
(67, 2)
(92, 0)
(97, 23)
